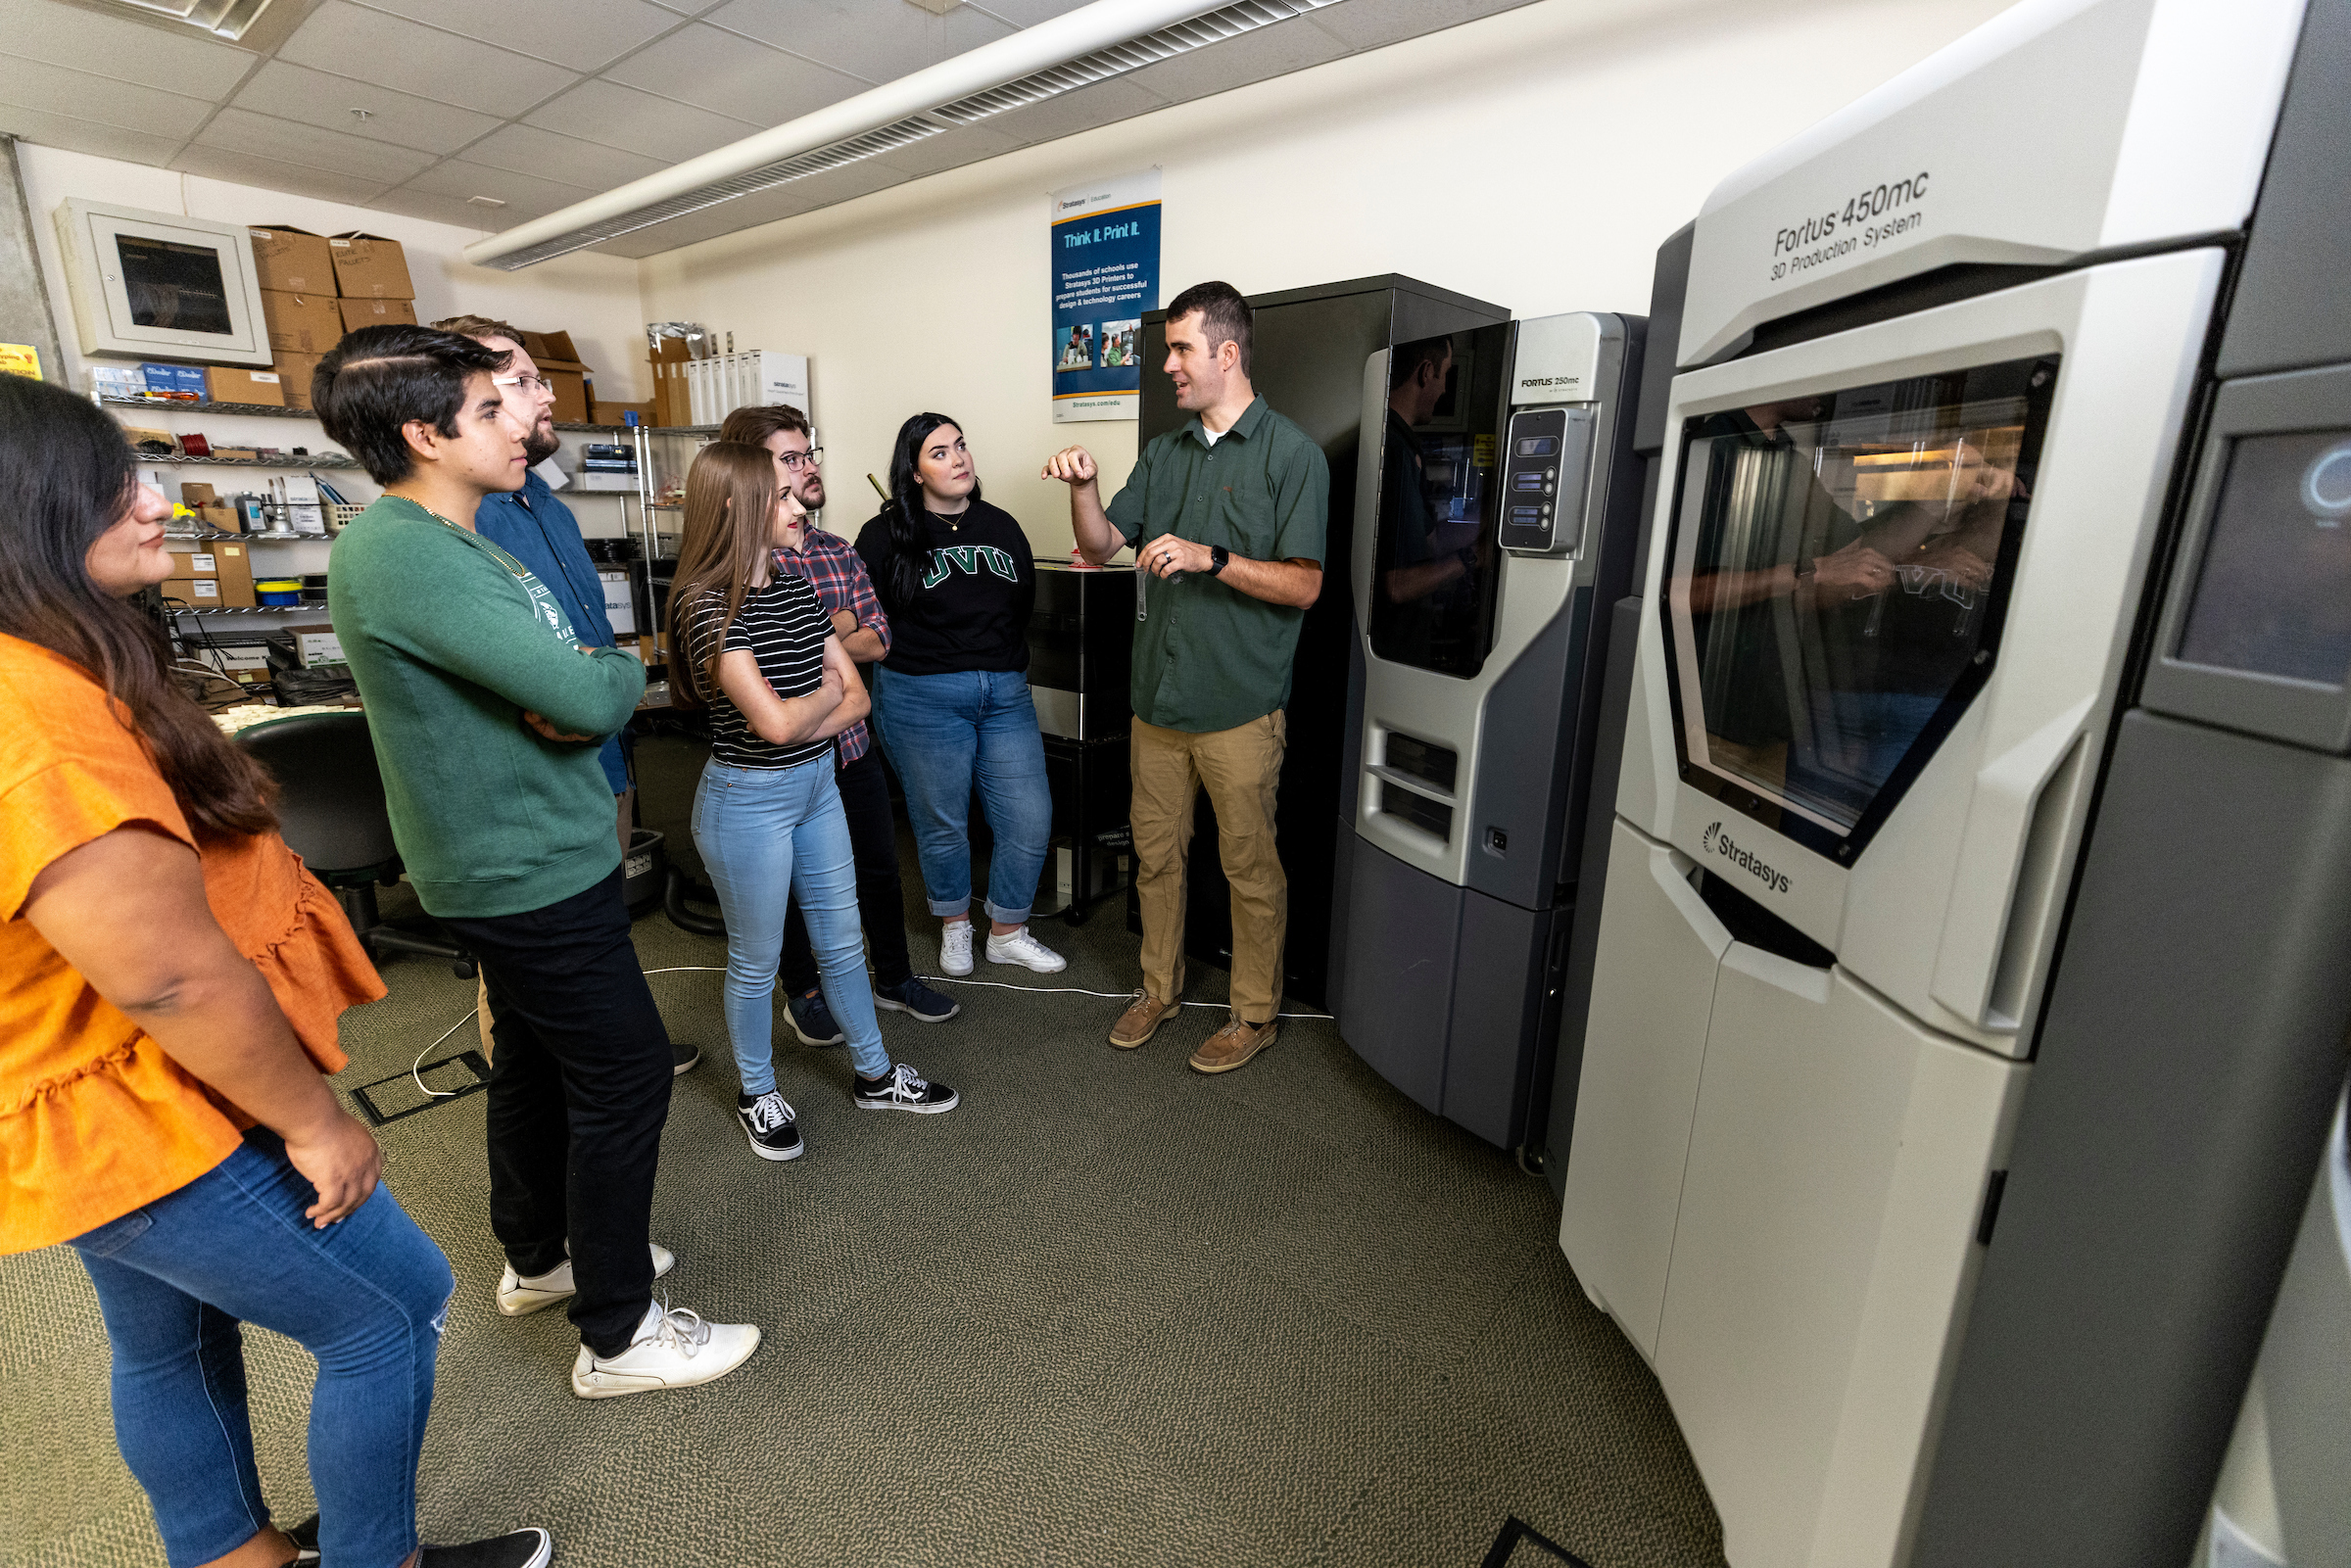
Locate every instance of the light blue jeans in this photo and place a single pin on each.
(367, 1295)
(768, 836)
(945, 733)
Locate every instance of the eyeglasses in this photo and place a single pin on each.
(531, 386)
(798, 460)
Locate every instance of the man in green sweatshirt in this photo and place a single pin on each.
(487, 714)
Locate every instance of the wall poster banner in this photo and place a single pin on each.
(1105, 237)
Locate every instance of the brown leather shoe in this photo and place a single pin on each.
(1143, 1015)
(1234, 1045)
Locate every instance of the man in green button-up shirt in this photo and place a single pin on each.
(1227, 515)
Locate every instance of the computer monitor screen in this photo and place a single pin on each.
(173, 285)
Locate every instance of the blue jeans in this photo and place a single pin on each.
(367, 1296)
(946, 733)
(769, 837)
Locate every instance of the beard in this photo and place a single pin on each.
(810, 492)
(542, 443)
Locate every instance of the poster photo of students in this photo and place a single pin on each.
(1120, 341)
(1075, 352)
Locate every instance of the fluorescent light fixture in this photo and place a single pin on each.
(1078, 49)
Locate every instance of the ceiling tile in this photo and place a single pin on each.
(86, 136)
(1273, 51)
(528, 150)
(345, 40)
(615, 116)
(525, 195)
(1369, 24)
(878, 41)
(315, 98)
(241, 131)
(455, 211)
(1102, 104)
(730, 74)
(170, 56)
(55, 90)
(580, 33)
(1026, 13)
(273, 174)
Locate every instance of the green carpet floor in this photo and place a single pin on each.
(1107, 1311)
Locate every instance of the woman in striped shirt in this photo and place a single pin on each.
(759, 650)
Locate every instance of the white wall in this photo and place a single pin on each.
(594, 298)
(1533, 159)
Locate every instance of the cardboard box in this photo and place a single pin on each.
(181, 383)
(237, 454)
(548, 346)
(197, 593)
(232, 566)
(294, 373)
(672, 403)
(193, 563)
(316, 644)
(192, 493)
(604, 413)
(301, 324)
(292, 260)
(357, 313)
(570, 379)
(368, 266)
(219, 517)
(225, 384)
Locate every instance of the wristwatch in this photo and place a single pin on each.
(1217, 555)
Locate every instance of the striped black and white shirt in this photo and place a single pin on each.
(784, 626)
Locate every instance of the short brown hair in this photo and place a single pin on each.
(752, 426)
(1224, 316)
(478, 327)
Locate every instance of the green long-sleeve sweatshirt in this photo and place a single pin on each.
(451, 641)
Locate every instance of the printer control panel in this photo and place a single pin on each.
(1545, 472)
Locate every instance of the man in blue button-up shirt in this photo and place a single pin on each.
(537, 530)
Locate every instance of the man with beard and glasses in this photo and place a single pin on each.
(537, 530)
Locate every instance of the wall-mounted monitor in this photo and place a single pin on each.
(156, 285)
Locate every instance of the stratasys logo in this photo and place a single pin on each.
(1714, 842)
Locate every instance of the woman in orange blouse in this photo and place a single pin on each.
(174, 982)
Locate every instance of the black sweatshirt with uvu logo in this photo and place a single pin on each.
(971, 610)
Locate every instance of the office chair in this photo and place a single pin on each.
(330, 807)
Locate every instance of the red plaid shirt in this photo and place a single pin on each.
(833, 568)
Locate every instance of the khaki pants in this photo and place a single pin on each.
(1241, 768)
(625, 804)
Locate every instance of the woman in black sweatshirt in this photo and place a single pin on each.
(951, 700)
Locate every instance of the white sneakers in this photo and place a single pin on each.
(1019, 948)
(519, 1296)
(672, 1349)
(955, 948)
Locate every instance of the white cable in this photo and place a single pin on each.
(1079, 990)
(415, 1068)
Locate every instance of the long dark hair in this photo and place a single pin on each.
(903, 512)
(731, 495)
(66, 475)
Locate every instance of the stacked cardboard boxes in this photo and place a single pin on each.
(214, 576)
(316, 287)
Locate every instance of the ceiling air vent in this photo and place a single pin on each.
(1076, 50)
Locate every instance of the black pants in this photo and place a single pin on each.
(880, 905)
(578, 1093)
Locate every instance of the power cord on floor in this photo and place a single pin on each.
(416, 1068)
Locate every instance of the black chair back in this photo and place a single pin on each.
(330, 804)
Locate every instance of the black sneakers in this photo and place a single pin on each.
(911, 996)
(903, 1089)
(521, 1548)
(767, 1121)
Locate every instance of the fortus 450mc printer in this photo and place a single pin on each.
(1968, 995)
